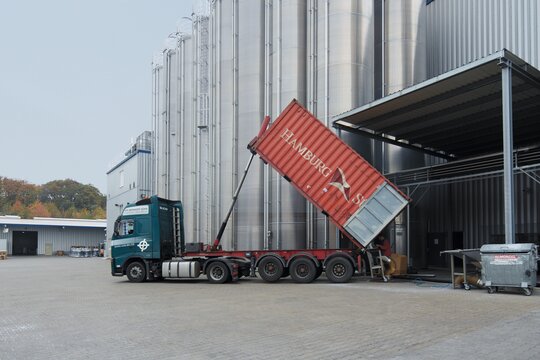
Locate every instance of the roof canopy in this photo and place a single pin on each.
(42, 221)
(456, 114)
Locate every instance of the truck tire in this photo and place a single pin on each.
(218, 272)
(339, 270)
(270, 269)
(303, 270)
(136, 272)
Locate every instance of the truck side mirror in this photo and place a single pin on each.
(116, 230)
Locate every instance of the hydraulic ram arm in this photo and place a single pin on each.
(237, 191)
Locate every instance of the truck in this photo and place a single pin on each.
(149, 243)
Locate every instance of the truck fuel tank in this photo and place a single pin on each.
(180, 269)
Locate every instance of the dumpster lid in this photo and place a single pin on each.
(507, 248)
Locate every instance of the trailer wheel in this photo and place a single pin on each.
(303, 270)
(136, 272)
(270, 269)
(527, 291)
(339, 270)
(217, 272)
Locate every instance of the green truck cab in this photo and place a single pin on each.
(148, 244)
(145, 234)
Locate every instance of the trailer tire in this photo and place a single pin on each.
(303, 270)
(339, 270)
(136, 272)
(270, 269)
(218, 272)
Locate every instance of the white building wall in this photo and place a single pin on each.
(61, 238)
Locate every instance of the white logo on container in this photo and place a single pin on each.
(143, 245)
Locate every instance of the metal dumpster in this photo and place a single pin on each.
(509, 265)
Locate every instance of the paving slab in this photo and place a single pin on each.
(61, 307)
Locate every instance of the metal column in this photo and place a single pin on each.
(508, 147)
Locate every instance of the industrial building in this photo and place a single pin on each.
(426, 90)
(129, 179)
(47, 236)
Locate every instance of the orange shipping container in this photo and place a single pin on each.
(358, 199)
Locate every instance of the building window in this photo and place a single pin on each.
(121, 178)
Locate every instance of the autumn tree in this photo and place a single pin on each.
(37, 209)
(58, 198)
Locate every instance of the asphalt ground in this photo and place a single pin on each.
(72, 308)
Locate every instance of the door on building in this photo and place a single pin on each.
(457, 243)
(436, 244)
(25, 242)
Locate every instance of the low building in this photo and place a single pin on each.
(47, 236)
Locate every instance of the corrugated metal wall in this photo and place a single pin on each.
(460, 31)
(61, 239)
(476, 208)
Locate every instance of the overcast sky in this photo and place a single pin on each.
(75, 83)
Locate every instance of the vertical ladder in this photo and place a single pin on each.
(178, 248)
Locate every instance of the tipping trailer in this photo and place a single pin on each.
(149, 243)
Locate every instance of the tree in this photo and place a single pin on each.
(12, 190)
(53, 210)
(39, 210)
(19, 209)
(58, 198)
(99, 213)
(67, 193)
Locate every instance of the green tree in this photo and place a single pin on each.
(67, 193)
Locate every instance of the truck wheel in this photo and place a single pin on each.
(218, 272)
(339, 270)
(303, 270)
(136, 272)
(270, 269)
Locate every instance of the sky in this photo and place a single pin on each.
(76, 83)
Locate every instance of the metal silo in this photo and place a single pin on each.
(204, 127)
(157, 78)
(173, 124)
(404, 57)
(404, 44)
(340, 76)
(163, 117)
(285, 79)
(249, 210)
(224, 108)
(187, 133)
